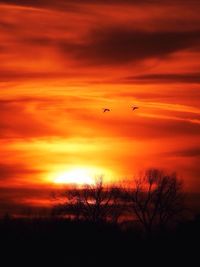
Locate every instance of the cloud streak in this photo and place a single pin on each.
(117, 46)
(165, 78)
(10, 171)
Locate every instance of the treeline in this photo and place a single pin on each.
(155, 201)
(99, 225)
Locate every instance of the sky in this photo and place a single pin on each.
(62, 62)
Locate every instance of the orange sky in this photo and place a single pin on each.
(61, 62)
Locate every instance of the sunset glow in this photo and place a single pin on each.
(63, 62)
(77, 176)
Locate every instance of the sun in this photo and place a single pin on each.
(78, 176)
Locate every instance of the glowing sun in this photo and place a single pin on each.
(77, 176)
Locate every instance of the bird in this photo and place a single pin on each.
(106, 109)
(134, 108)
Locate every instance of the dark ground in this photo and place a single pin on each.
(71, 243)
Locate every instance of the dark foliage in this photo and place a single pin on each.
(81, 243)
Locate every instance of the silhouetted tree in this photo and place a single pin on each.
(156, 199)
(95, 203)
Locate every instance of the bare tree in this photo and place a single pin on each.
(156, 199)
(94, 203)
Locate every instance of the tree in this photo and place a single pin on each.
(95, 203)
(156, 199)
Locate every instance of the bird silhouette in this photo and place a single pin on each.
(134, 108)
(106, 110)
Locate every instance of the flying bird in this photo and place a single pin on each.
(106, 110)
(134, 108)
